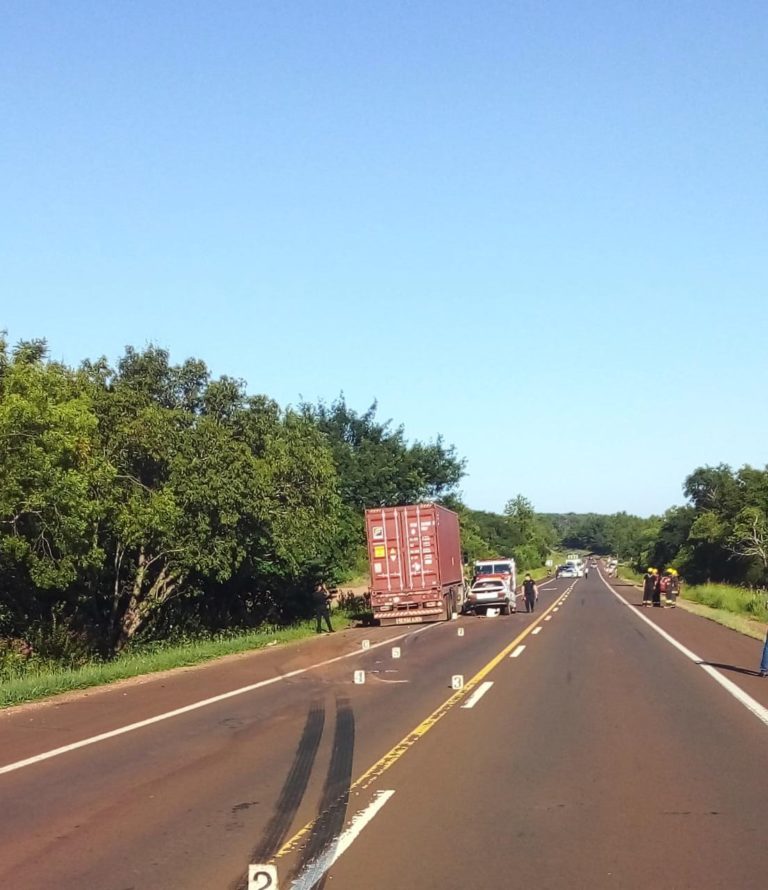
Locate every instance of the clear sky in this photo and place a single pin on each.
(539, 229)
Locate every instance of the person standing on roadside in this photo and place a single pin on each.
(656, 589)
(764, 660)
(530, 592)
(674, 588)
(664, 589)
(322, 599)
(649, 586)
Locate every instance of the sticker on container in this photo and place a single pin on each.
(377, 533)
(379, 551)
(377, 568)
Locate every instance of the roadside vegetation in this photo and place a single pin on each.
(143, 503)
(30, 679)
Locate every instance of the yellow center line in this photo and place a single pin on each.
(418, 732)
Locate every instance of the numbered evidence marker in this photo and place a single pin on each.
(395, 652)
(262, 877)
(366, 644)
(457, 681)
(359, 677)
(460, 632)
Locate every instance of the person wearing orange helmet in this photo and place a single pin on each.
(673, 588)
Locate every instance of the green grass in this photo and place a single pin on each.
(740, 623)
(735, 600)
(628, 574)
(25, 682)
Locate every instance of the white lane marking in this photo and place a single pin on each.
(519, 651)
(477, 694)
(140, 724)
(556, 609)
(315, 870)
(537, 630)
(736, 691)
(548, 618)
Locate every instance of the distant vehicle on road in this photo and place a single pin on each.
(567, 571)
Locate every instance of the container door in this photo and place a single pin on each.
(421, 531)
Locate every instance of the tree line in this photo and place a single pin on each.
(149, 497)
(719, 534)
(146, 500)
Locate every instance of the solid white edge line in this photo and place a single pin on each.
(315, 870)
(519, 651)
(186, 709)
(736, 691)
(478, 694)
(536, 630)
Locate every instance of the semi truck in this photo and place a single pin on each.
(414, 554)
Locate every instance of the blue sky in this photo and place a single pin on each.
(538, 229)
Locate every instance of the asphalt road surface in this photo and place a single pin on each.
(586, 749)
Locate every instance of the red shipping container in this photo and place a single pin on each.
(414, 554)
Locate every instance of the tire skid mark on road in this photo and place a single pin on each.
(295, 786)
(336, 791)
(736, 691)
(373, 773)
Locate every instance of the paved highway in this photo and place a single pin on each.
(586, 750)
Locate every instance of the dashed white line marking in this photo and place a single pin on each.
(520, 649)
(536, 630)
(477, 694)
(548, 618)
(556, 609)
(315, 870)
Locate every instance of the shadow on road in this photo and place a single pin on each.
(730, 667)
